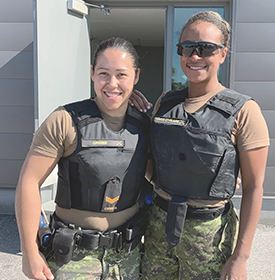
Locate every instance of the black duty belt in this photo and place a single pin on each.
(126, 236)
(91, 239)
(194, 212)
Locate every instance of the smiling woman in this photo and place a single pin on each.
(198, 68)
(181, 15)
(100, 146)
(114, 77)
(201, 137)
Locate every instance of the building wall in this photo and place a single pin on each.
(253, 64)
(16, 94)
(252, 73)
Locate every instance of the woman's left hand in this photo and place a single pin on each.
(235, 269)
(239, 181)
(138, 100)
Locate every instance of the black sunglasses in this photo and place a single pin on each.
(203, 48)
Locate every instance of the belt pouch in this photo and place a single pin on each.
(45, 241)
(90, 239)
(176, 214)
(64, 243)
(137, 224)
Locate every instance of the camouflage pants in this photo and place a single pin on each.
(201, 254)
(99, 264)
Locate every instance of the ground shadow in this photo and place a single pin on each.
(9, 237)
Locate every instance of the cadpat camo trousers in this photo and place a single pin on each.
(201, 254)
(99, 264)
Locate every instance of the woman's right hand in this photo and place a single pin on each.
(138, 100)
(35, 267)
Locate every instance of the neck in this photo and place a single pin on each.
(119, 113)
(196, 90)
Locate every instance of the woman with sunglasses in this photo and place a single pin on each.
(201, 137)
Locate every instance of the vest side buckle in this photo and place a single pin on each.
(106, 239)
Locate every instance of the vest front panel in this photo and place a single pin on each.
(105, 172)
(193, 154)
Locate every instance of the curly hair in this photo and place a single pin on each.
(214, 18)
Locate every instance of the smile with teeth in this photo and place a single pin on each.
(196, 67)
(112, 94)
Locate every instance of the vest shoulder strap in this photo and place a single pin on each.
(176, 96)
(228, 101)
(138, 119)
(83, 110)
(86, 112)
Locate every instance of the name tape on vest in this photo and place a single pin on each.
(169, 121)
(102, 143)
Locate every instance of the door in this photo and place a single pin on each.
(61, 54)
(144, 28)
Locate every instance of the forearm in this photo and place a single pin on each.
(249, 217)
(35, 170)
(28, 209)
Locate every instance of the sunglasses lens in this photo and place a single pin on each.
(188, 50)
(207, 49)
(203, 49)
(179, 50)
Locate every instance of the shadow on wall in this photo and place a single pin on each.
(17, 65)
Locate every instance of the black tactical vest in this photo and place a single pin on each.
(194, 155)
(105, 172)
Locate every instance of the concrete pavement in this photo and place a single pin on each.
(261, 265)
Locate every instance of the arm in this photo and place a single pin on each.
(138, 100)
(35, 170)
(252, 163)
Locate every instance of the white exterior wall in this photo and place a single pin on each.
(253, 64)
(16, 94)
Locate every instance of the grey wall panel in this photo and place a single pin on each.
(16, 10)
(255, 67)
(14, 146)
(269, 118)
(17, 36)
(10, 170)
(15, 65)
(16, 120)
(269, 184)
(16, 92)
(263, 93)
(264, 41)
(255, 10)
(271, 153)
